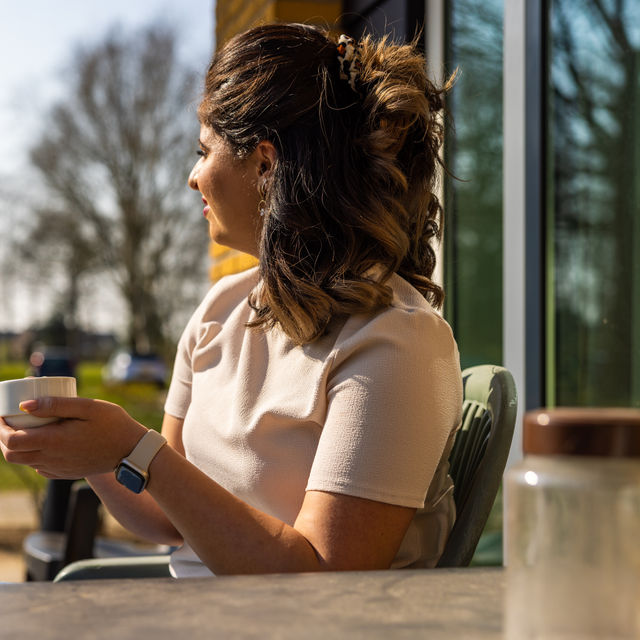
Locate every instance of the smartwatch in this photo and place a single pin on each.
(133, 471)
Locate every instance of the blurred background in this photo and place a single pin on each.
(103, 248)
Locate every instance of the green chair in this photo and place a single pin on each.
(479, 455)
(69, 537)
(153, 566)
(477, 462)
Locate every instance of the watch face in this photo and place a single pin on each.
(130, 478)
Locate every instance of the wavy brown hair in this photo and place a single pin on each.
(350, 198)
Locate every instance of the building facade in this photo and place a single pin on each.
(234, 16)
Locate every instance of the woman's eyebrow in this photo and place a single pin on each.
(202, 144)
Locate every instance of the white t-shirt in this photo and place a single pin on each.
(368, 410)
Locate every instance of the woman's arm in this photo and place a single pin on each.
(331, 532)
(139, 513)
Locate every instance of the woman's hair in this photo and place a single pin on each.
(350, 198)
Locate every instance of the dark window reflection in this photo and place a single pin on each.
(595, 159)
(473, 204)
(401, 19)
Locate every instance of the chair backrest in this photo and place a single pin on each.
(83, 521)
(479, 455)
(56, 545)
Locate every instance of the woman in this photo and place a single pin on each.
(314, 398)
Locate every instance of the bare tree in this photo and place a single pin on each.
(114, 154)
(596, 182)
(473, 202)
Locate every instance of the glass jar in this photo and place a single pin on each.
(572, 535)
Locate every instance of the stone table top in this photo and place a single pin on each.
(434, 604)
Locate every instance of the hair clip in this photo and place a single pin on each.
(349, 60)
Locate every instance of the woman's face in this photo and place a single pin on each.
(229, 188)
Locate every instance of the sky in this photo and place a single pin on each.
(38, 37)
(37, 40)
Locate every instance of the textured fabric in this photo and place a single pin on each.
(367, 410)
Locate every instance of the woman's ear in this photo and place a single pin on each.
(265, 156)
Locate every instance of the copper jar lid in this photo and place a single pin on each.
(605, 432)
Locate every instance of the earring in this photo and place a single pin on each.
(262, 205)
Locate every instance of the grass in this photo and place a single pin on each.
(143, 402)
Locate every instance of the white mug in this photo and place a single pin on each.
(13, 392)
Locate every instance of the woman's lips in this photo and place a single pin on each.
(206, 208)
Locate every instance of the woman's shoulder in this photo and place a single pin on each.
(409, 340)
(409, 321)
(406, 352)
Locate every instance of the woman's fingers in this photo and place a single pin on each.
(57, 407)
(21, 446)
(16, 446)
(87, 437)
(28, 458)
(15, 439)
(51, 476)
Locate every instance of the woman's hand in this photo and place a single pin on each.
(90, 437)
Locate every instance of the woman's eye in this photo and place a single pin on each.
(201, 153)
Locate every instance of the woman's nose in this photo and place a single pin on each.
(193, 178)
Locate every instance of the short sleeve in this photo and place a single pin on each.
(394, 396)
(222, 299)
(179, 394)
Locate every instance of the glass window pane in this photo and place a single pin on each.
(594, 182)
(473, 201)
